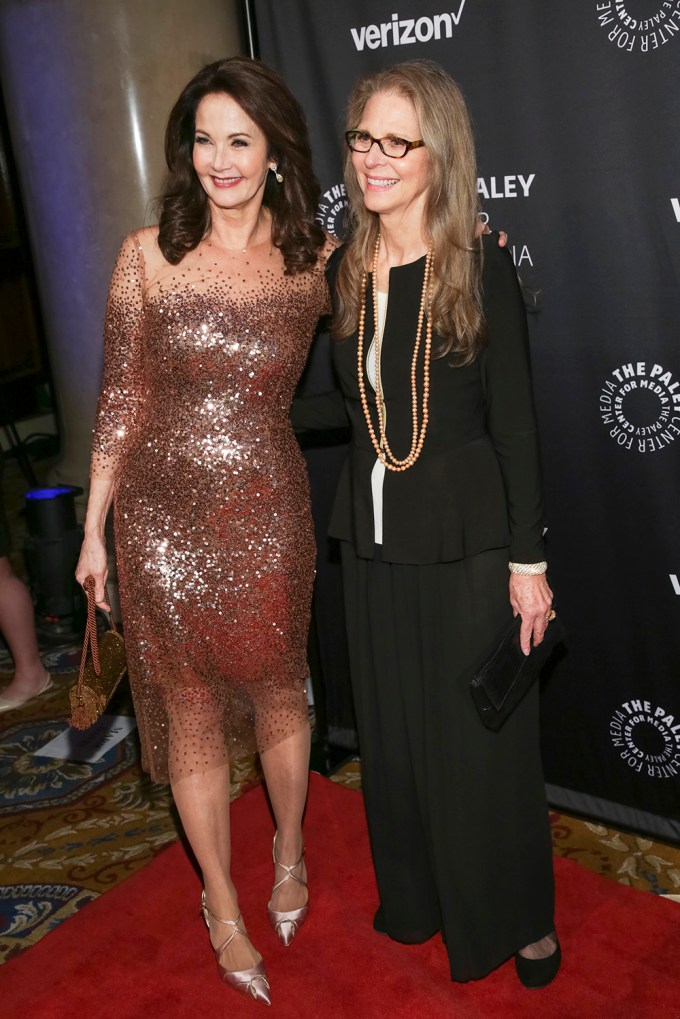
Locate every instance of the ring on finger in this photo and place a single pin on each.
(551, 615)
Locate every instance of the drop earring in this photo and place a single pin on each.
(279, 176)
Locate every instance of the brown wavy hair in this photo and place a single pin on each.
(262, 94)
(452, 223)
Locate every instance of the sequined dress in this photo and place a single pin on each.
(213, 530)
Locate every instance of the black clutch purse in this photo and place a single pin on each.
(500, 683)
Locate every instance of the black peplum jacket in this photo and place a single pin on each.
(476, 485)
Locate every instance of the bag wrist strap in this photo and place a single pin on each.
(91, 638)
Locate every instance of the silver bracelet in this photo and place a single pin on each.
(528, 569)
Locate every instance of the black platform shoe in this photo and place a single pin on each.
(537, 973)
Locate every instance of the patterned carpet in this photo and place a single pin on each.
(629, 859)
(71, 830)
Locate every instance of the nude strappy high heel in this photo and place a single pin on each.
(287, 922)
(251, 982)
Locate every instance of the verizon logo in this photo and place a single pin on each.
(675, 582)
(675, 202)
(402, 32)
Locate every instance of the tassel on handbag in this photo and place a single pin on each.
(99, 676)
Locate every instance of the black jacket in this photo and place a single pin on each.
(476, 484)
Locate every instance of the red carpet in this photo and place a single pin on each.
(111, 961)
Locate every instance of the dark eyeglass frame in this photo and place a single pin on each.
(350, 136)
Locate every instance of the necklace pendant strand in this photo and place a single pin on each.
(419, 428)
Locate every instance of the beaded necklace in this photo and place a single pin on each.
(382, 447)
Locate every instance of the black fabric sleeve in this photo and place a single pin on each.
(327, 410)
(509, 401)
(319, 412)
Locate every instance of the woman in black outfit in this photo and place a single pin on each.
(439, 498)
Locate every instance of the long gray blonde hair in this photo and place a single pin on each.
(451, 212)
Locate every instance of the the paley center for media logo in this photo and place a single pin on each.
(639, 26)
(640, 405)
(647, 738)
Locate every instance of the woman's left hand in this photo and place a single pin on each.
(484, 228)
(531, 598)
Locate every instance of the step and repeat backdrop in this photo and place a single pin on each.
(576, 109)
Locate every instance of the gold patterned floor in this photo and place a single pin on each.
(70, 831)
(629, 859)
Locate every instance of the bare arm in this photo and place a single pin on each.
(92, 561)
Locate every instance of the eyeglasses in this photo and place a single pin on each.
(394, 148)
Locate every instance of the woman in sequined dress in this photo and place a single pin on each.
(208, 325)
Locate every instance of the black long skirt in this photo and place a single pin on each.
(457, 815)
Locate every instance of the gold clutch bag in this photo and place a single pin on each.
(100, 675)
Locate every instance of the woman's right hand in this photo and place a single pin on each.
(93, 563)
